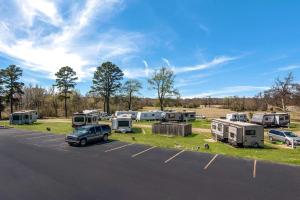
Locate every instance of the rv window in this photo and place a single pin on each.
(172, 115)
(214, 127)
(219, 127)
(232, 135)
(26, 116)
(266, 118)
(281, 118)
(94, 119)
(286, 117)
(123, 123)
(153, 115)
(78, 119)
(89, 120)
(250, 132)
(16, 117)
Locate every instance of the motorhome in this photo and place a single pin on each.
(242, 117)
(129, 112)
(219, 129)
(122, 123)
(179, 116)
(23, 117)
(84, 118)
(271, 119)
(239, 134)
(154, 115)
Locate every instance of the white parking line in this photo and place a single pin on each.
(212, 160)
(41, 136)
(118, 147)
(174, 156)
(142, 152)
(254, 169)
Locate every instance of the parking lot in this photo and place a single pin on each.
(35, 165)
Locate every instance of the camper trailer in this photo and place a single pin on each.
(239, 134)
(271, 119)
(23, 117)
(150, 115)
(84, 118)
(242, 117)
(219, 129)
(179, 116)
(244, 134)
(122, 123)
(130, 112)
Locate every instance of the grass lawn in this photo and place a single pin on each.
(271, 152)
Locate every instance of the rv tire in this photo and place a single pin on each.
(83, 142)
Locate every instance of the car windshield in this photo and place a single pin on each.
(290, 134)
(80, 131)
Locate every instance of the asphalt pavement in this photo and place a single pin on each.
(38, 166)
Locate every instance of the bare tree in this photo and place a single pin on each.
(163, 82)
(131, 87)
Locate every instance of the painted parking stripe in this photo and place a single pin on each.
(142, 152)
(177, 154)
(40, 136)
(120, 147)
(210, 162)
(254, 168)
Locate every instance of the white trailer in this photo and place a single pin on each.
(150, 115)
(271, 119)
(242, 117)
(179, 116)
(129, 112)
(84, 118)
(219, 129)
(23, 117)
(122, 123)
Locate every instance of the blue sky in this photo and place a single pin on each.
(216, 48)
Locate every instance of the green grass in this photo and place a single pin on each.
(271, 152)
(294, 126)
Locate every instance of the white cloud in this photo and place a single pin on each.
(204, 28)
(215, 62)
(230, 91)
(67, 45)
(166, 61)
(289, 68)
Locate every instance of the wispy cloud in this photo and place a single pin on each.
(289, 68)
(204, 28)
(230, 91)
(215, 62)
(65, 41)
(166, 61)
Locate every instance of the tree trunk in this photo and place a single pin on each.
(161, 102)
(129, 106)
(11, 104)
(107, 105)
(283, 104)
(66, 109)
(0, 115)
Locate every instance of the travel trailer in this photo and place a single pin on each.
(179, 116)
(130, 112)
(219, 128)
(122, 123)
(23, 117)
(271, 119)
(242, 117)
(86, 117)
(150, 115)
(239, 134)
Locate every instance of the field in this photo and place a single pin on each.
(142, 134)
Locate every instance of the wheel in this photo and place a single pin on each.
(287, 142)
(83, 142)
(271, 139)
(105, 138)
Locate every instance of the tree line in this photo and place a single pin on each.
(107, 89)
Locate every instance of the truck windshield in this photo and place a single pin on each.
(290, 134)
(80, 131)
(79, 119)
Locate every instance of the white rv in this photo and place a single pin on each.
(122, 123)
(242, 117)
(179, 116)
(129, 112)
(23, 117)
(219, 128)
(239, 134)
(150, 115)
(271, 119)
(84, 118)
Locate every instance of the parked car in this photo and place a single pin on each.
(284, 136)
(90, 133)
